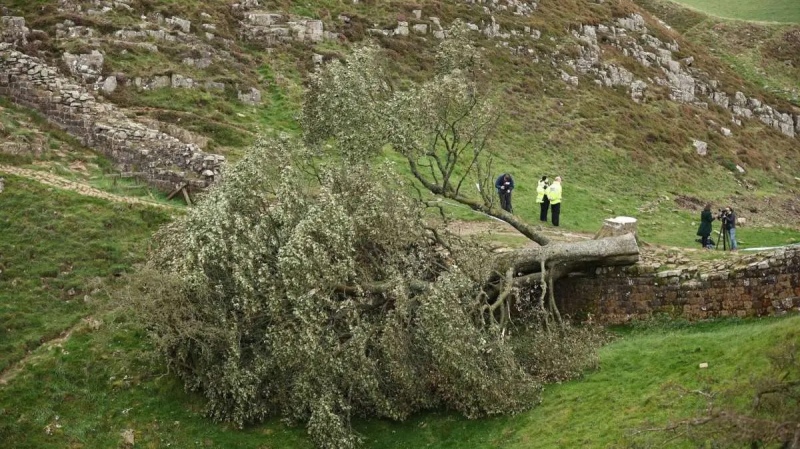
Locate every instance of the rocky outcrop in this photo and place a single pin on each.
(87, 67)
(159, 158)
(13, 30)
(516, 7)
(203, 49)
(684, 83)
(270, 29)
(590, 63)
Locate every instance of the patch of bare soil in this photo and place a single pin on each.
(466, 228)
(772, 212)
(690, 202)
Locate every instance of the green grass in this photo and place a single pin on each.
(56, 252)
(643, 382)
(763, 10)
(99, 383)
(103, 382)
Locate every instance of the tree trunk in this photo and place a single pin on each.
(617, 226)
(564, 258)
(542, 266)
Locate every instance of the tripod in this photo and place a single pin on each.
(724, 236)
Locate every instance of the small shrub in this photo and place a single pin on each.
(560, 354)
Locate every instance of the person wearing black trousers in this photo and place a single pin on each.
(554, 193)
(505, 185)
(704, 230)
(542, 199)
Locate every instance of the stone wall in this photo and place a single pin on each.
(768, 284)
(161, 159)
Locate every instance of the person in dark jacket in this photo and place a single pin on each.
(704, 231)
(505, 185)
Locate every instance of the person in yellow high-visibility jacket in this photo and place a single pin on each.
(554, 194)
(542, 198)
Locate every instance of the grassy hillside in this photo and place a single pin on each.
(617, 157)
(765, 54)
(58, 254)
(63, 256)
(787, 11)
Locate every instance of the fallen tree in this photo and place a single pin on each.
(313, 283)
(317, 298)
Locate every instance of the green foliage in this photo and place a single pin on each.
(317, 298)
(441, 126)
(347, 102)
(563, 354)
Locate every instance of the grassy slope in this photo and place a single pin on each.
(642, 384)
(58, 251)
(765, 54)
(787, 11)
(616, 156)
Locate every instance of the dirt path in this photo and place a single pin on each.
(496, 227)
(74, 186)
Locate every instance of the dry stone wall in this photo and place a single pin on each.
(161, 159)
(753, 286)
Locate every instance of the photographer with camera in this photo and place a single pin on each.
(729, 223)
(727, 231)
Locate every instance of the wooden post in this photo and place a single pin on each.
(176, 191)
(186, 195)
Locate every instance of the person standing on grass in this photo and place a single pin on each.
(730, 224)
(704, 231)
(554, 194)
(542, 199)
(505, 185)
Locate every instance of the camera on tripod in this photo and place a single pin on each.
(723, 215)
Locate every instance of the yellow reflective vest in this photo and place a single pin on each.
(554, 193)
(541, 190)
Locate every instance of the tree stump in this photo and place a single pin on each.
(617, 226)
